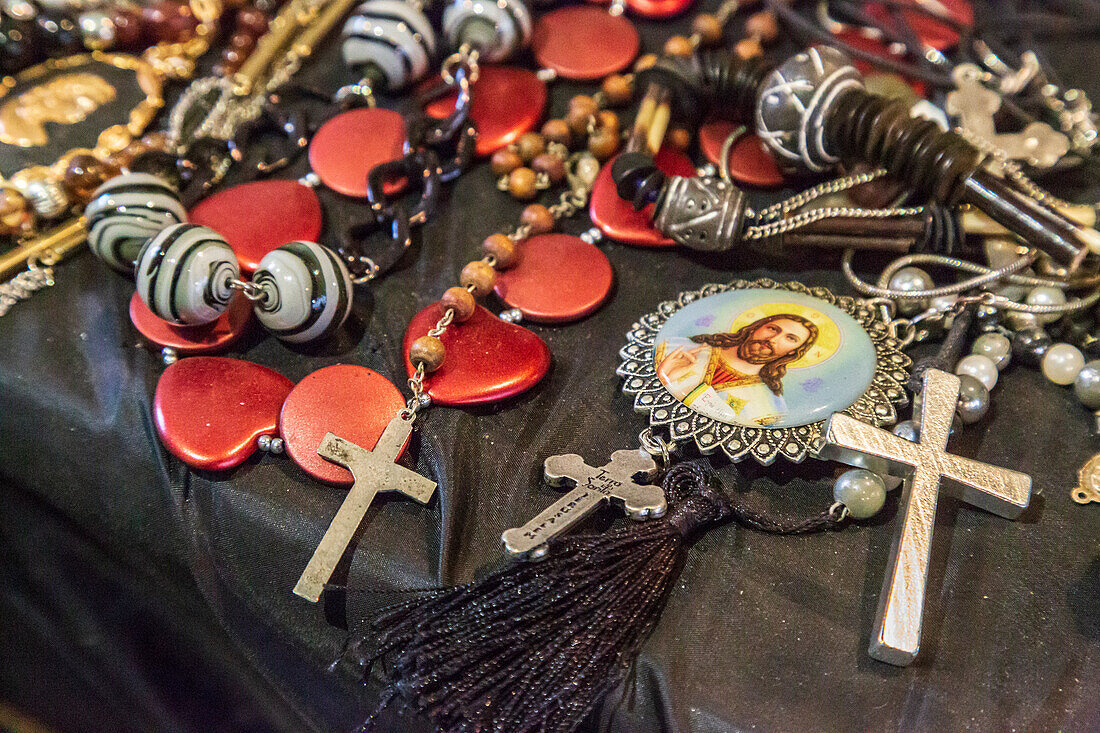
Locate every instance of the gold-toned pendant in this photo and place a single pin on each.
(1088, 482)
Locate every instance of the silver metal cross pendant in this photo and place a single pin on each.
(593, 486)
(896, 636)
(374, 471)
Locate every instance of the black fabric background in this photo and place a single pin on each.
(138, 595)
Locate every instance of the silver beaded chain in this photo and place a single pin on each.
(36, 277)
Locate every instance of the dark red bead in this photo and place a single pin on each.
(252, 20)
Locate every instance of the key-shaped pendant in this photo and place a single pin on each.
(374, 471)
(592, 487)
(1088, 482)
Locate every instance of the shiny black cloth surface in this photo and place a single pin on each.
(139, 595)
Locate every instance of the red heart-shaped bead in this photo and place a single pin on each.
(506, 103)
(486, 360)
(618, 219)
(556, 278)
(204, 339)
(346, 147)
(244, 216)
(209, 411)
(350, 401)
(750, 162)
(584, 43)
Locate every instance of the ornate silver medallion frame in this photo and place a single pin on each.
(875, 406)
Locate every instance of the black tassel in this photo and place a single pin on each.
(536, 646)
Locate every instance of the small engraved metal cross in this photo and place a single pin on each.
(896, 636)
(374, 471)
(593, 487)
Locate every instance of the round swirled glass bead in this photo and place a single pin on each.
(185, 274)
(125, 212)
(794, 103)
(496, 29)
(391, 36)
(306, 292)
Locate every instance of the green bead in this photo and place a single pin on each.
(861, 491)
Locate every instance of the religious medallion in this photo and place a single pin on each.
(755, 368)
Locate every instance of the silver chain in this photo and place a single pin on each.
(24, 285)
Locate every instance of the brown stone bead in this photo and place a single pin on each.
(763, 26)
(243, 42)
(252, 21)
(530, 145)
(557, 131)
(679, 138)
(603, 143)
(232, 58)
(522, 183)
(429, 351)
(708, 28)
(460, 301)
(617, 89)
(501, 249)
(127, 28)
(538, 218)
(644, 62)
(504, 161)
(551, 165)
(14, 212)
(84, 174)
(679, 46)
(478, 277)
(748, 48)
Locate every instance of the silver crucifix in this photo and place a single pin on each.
(374, 471)
(896, 636)
(593, 486)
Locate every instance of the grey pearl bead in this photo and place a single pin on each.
(908, 429)
(973, 400)
(907, 280)
(861, 491)
(1030, 346)
(1087, 385)
(995, 346)
(125, 212)
(184, 274)
(307, 292)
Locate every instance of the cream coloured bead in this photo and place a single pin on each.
(1044, 295)
(995, 346)
(909, 279)
(980, 367)
(1062, 363)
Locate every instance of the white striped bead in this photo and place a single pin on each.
(125, 211)
(392, 36)
(307, 292)
(184, 274)
(466, 21)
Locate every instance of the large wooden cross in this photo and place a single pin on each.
(923, 465)
(374, 471)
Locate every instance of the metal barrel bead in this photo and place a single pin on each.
(125, 212)
(496, 29)
(307, 292)
(393, 37)
(184, 274)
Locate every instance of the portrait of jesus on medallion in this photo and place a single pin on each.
(763, 358)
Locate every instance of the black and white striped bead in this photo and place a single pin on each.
(497, 28)
(307, 292)
(185, 274)
(392, 36)
(125, 211)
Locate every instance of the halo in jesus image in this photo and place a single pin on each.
(764, 358)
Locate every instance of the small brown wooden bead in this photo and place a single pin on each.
(538, 218)
(501, 249)
(748, 48)
(530, 145)
(617, 89)
(679, 46)
(460, 301)
(551, 165)
(607, 120)
(578, 120)
(557, 131)
(504, 161)
(708, 27)
(679, 138)
(763, 26)
(603, 143)
(429, 351)
(584, 103)
(644, 62)
(522, 183)
(479, 277)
